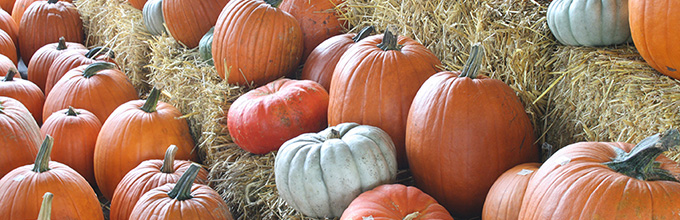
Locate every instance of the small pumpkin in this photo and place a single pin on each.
(8, 25)
(183, 200)
(205, 46)
(589, 23)
(20, 135)
(147, 176)
(318, 19)
(61, 18)
(46, 207)
(152, 13)
(8, 48)
(264, 118)
(319, 174)
(24, 91)
(652, 25)
(395, 201)
(74, 58)
(43, 58)
(504, 199)
(187, 21)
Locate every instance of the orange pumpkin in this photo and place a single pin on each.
(74, 58)
(505, 196)
(42, 59)
(59, 17)
(138, 4)
(5, 65)
(8, 48)
(10, 27)
(137, 131)
(318, 20)
(20, 7)
(7, 5)
(24, 91)
(395, 201)
(652, 25)
(20, 135)
(188, 21)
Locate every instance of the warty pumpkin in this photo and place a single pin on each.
(589, 23)
(8, 48)
(318, 19)
(61, 18)
(152, 13)
(652, 25)
(43, 58)
(20, 135)
(256, 42)
(71, 59)
(23, 91)
(395, 201)
(188, 20)
(10, 27)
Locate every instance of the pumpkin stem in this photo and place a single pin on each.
(152, 102)
(169, 160)
(274, 3)
(333, 134)
(389, 41)
(99, 50)
(10, 74)
(471, 68)
(94, 68)
(412, 216)
(365, 32)
(71, 112)
(42, 161)
(52, 1)
(547, 151)
(182, 190)
(46, 207)
(640, 162)
(62, 44)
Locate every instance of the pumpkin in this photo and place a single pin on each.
(138, 4)
(256, 42)
(8, 48)
(375, 81)
(46, 207)
(395, 201)
(59, 17)
(137, 131)
(99, 88)
(262, 119)
(323, 59)
(319, 174)
(24, 91)
(43, 58)
(589, 23)
(152, 13)
(482, 131)
(5, 65)
(205, 46)
(147, 176)
(20, 7)
(187, 21)
(22, 188)
(74, 58)
(652, 27)
(318, 20)
(8, 25)
(595, 180)
(75, 132)
(505, 196)
(7, 5)
(183, 200)
(20, 135)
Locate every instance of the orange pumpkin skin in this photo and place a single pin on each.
(20, 135)
(242, 49)
(20, 7)
(5, 65)
(71, 59)
(61, 17)
(25, 92)
(652, 25)
(205, 204)
(371, 86)
(505, 196)
(8, 48)
(39, 66)
(7, 5)
(318, 20)
(10, 27)
(188, 20)
(395, 201)
(75, 134)
(138, 4)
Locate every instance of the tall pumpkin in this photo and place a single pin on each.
(652, 25)
(42, 59)
(464, 130)
(255, 42)
(20, 136)
(59, 17)
(74, 58)
(319, 20)
(188, 20)
(589, 23)
(375, 81)
(137, 131)
(8, 25)
(24, 91)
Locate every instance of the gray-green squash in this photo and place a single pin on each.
(589, 22)
(205, 46)
(152, 13)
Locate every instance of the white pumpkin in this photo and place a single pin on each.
(589, 22)
(152, 13)
(319, 174)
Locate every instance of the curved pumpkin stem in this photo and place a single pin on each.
(42, 161)
(389, 41)
(46, 207)
(334, 134)
(10, 74)
(274, 3)
(471, 68)
(71, 112)
(182, 190)
(640, 162)
(52, 1)
(169, 160)
(365, 32)
(99, 50)
(94, 68)
(62, 44)
(152, 102)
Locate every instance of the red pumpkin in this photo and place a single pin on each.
(318, 20)
(8, 25)
(24, 91)
(188, 21)
(375, 81)
(505, 196)
(42, 59)
(323, 59)
(59, 17)
(20, 135)
(481, 131)
(394, 201)
(74, 58)
(75, 132)
(8, 48)
(652, 26)
(255, 42)
(23, 188)
(137, 131)
(147, 176)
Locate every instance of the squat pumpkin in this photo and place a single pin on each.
(24, 91)
(395, 201)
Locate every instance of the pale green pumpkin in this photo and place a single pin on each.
(205, 46)
(152, 13)
(589, 22)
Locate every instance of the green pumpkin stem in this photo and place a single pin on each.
(365, 32)
(169, 160)
(274, 3)
(46, 207)
(389, 41)
(71, 112)
(471, 68)
(182, 190)
(42, 161)
(412, 216)
(94, 68)
(333, 134)
(640, 162)
(52, 1)
(10, 74)
(152, 102)
(99, 50)
(62, 44)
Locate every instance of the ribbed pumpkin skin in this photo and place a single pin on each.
(206, 204)
(74, 139)
(5, 65)
(61, 18)
(323, 59)
(652, 25)
(317, 18)
(42, 59)
(8, 48)
(480, 130)
(152, 13)
(25, 92)
(100, 94)
(257, 41)
(371, 86)
(67, 61)
(138, 4)
(505, 196)
(144, 178)
(20, 7)
(589, 23)
(7, 5)
(395, 201)
(22, 191)
(584, 188)
(20, 135)
(188, 20)
(10, 27)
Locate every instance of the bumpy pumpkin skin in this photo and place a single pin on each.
(505, 196)
(395, 201)
(152, 13)
(20, 135)
(61, 17)
(189, 20)
(318, 20)
(653, 27)
(24, 91)
(42, 59)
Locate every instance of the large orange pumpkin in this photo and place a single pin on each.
(598, 180)
(505, 196)
(147, 176)
(8, 25)
(42, 59)
(22, 188)
(20, 135)
(652, 25)
(464, 130)
(74, 58)
(375, 81)
(188, 20)
(20, 7)
(24, 91)
(8, 48)
(318, 20)
(395, 201)
(137, 131)
(255, 42)
(138, 4)
(44, 22)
